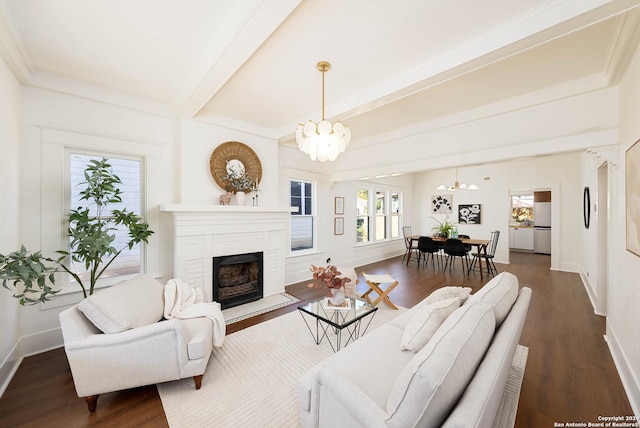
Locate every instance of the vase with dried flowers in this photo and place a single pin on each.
(237, 181)
(331, 278)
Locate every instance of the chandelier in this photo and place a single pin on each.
(457, 185)
(323, 141)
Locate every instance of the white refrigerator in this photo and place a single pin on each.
(542, 227)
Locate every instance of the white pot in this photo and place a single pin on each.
(337, 296)
(240, 198)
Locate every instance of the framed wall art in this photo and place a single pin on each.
(441, 204)
(632, 197)
(339, 205)
(338, 226)
(469, 214)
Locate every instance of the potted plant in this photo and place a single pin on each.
(443, 229)
(31, 276)
(330, 277)
(238, 182)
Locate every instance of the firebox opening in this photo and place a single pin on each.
(237, 279)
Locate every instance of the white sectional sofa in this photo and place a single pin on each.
(455, 380)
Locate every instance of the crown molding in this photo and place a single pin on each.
(10, 47)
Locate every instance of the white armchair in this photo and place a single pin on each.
(116, 339)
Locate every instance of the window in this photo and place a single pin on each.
(362, 204)
(522, 208)
(129, 171)
(381, 216)
(302, 215)
(396, 218)
(387, 221)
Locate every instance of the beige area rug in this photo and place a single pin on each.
(251, 309)
(251, 380)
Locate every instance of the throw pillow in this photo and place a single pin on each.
(500, 293)
(447, 292)
(424, 323)
(129, 304)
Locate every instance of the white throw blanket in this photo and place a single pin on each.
(184, 301)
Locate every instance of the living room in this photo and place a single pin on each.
(553, 133)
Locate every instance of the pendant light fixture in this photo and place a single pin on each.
(323, 141)
(457, 185)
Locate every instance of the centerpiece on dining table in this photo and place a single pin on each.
(331, 278)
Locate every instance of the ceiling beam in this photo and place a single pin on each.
(250, 32)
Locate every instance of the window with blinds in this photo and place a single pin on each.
(129, 171)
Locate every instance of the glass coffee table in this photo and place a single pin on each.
(331, 321)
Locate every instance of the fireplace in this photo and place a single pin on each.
(237, 279)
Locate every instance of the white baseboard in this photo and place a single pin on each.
(9, 367)
(591, 293)
(25, 347)
(629, 378)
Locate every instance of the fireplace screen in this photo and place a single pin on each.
(237, 279)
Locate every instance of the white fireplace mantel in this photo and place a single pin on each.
(201, 232)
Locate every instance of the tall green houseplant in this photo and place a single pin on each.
(31, 276)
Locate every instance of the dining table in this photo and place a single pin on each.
(480, 244)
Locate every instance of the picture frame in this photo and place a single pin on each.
(338, 205)
(632, 197)
(338, 226)
(441, 204)
(470, 214)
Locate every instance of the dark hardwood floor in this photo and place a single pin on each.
(570, 375)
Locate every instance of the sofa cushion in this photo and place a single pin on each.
(129, 304)
(424, 323)
(500, 293)
(372, 363)
(441, 293)
(447, 292)
(431, 383)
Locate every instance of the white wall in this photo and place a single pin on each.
(10, 106)
(53, 122)
(560, 173)
(623, 319)
(199, 140)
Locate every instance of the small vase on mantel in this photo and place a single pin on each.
(337, 296)
(240, 198)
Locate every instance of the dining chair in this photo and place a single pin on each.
(455, 248)
(406, 233)
(491, 252)
(466, 246)
(426, 247)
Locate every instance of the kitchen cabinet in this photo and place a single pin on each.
(521, 238)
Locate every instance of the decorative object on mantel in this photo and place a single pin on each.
(236, 168)
(457, 185)
(632, 197)
(225, 198)
(323, 141)
(331, 278)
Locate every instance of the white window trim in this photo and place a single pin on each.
(373, 190)
(55, 144)
(314, 216)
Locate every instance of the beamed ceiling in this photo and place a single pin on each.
(250, 64)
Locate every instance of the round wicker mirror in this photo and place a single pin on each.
(238, 154)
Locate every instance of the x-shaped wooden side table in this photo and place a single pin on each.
(374, 281)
